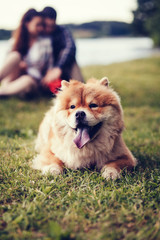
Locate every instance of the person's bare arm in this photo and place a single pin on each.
(52, 75)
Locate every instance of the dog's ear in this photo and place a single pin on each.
(104, 81)
(64, 84)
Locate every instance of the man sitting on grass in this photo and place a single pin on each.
(64, 50)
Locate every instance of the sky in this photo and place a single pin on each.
(69, 11)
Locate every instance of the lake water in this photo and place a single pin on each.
(104, 50)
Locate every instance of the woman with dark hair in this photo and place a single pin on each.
(29, 59)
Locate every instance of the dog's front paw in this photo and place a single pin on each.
(110, 173)
(53, 169)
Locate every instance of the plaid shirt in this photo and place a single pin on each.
(39, 58)
(64, 48)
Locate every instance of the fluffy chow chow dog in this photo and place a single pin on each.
(84, 129)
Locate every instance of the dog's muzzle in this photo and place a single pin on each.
(84, 132)
(80, 117)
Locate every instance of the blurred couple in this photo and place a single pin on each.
(42, 54)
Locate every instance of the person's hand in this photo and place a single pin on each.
(23, 65)
(52, 75)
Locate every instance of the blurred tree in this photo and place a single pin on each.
(146, 20)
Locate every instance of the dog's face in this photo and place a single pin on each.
(89, 108)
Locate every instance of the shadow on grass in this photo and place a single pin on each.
(150, 161)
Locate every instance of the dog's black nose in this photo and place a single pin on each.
(80, 115)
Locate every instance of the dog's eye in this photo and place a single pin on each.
(93, 105)
(72, 106)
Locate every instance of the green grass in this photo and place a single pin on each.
(81, 204)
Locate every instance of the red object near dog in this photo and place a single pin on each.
(54, 86)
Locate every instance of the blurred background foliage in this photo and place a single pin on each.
(146, 20)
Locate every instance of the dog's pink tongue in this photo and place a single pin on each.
(82, 137)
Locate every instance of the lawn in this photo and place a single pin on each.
(81, 204)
